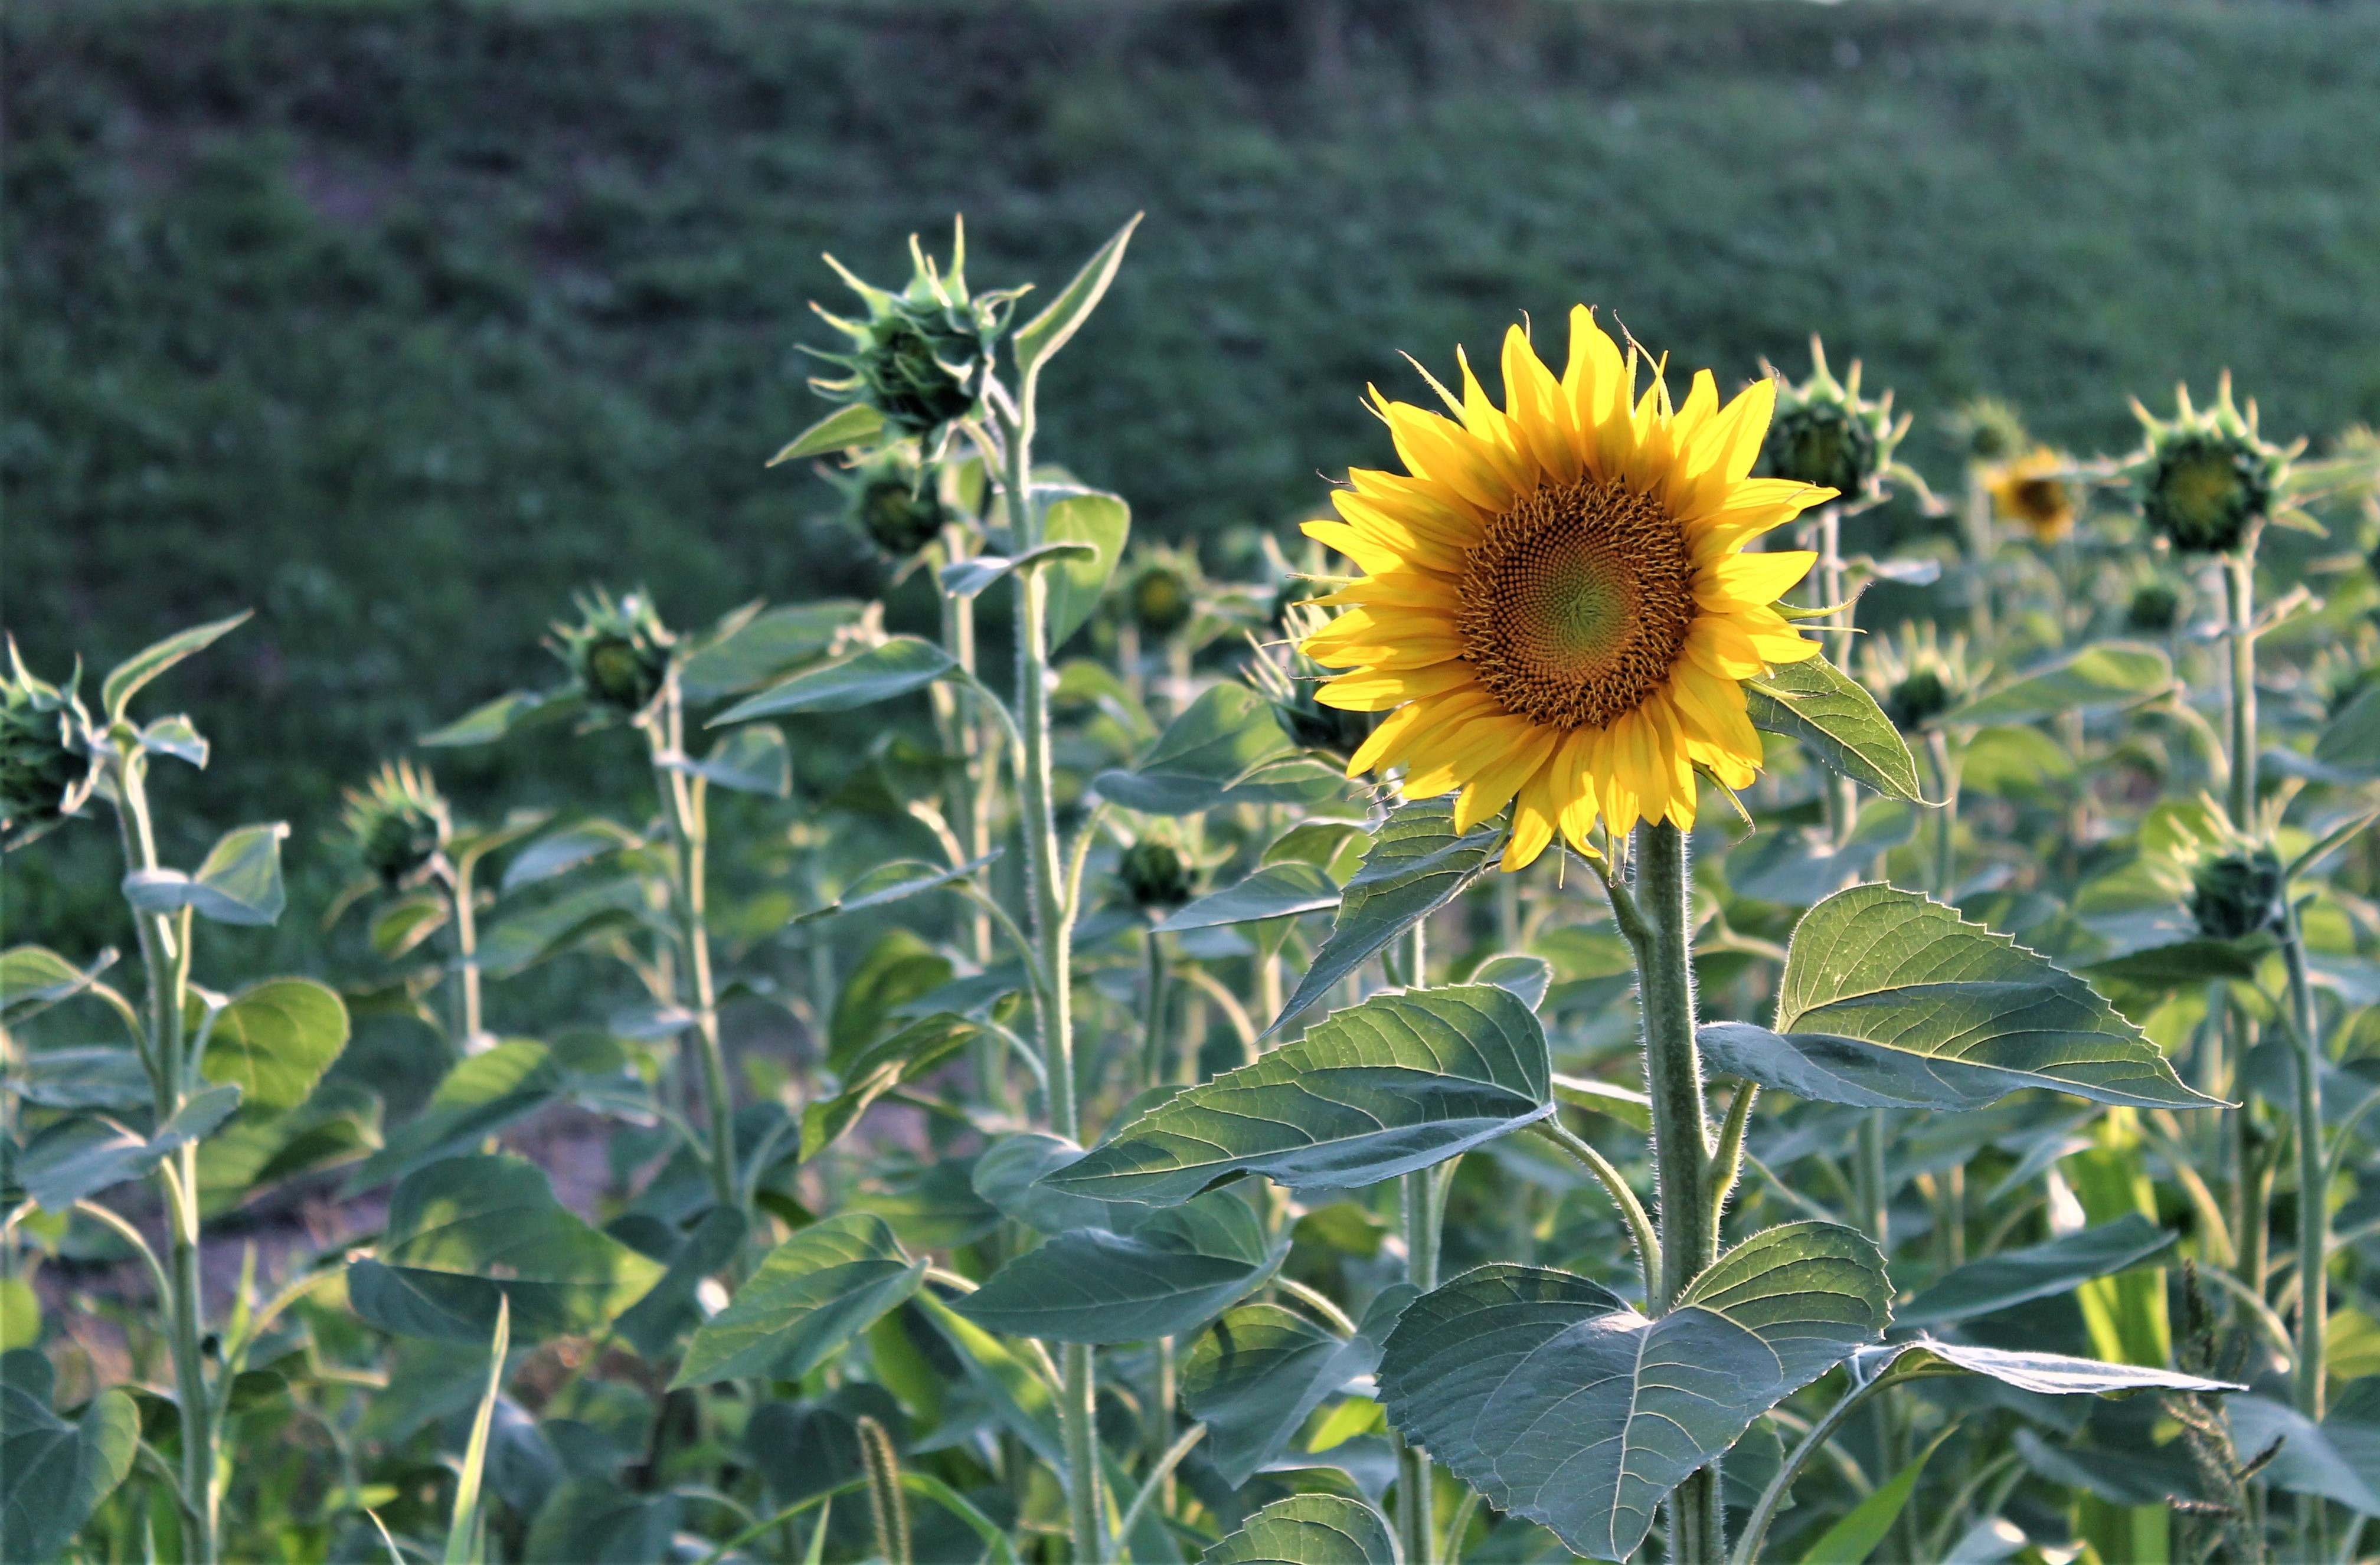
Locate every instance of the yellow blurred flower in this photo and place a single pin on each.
(1555, 614)
(2032, 490)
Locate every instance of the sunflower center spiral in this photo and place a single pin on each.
(1575, 603)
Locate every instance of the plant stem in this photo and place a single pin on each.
(683, 807)
(1946, 819)
(2239, 578)
(166, 957)
(460, 894)
(2313, 1167)
(1152, 1053)
(1417, 1519)
(1681, 1132)
(1842, 795)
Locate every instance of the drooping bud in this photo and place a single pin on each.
(2036, 490)
(396, 823)
(1989, 431)
(1153, 875)
(921, 357)
(619, 652)
(1288, 678)
(1825, 432)
(2203, 480)
(895, 499)
(46, 772)
(2236, 895)
(2155, 607)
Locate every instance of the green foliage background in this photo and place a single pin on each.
(401, 322)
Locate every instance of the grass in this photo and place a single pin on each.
(399, 322)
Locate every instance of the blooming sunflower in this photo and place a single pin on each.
(1555, 614)
(2032, 489)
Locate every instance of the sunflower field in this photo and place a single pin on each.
(1521, 1019)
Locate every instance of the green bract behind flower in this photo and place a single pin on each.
(397, 823)
(1825, 432)
(2203, 480)
(46, 772)
(619, 652)
(922, 357)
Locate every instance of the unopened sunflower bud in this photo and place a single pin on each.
(1990, 431)
(1825, 432)
(921, 357)
(2237, 894)
(396, 823)
(1917, 701)
(1916, 676)
(1154, 875)
(2155, 608)
(1161, 601)
(619, 652)
(2204, 480)
(44, 774)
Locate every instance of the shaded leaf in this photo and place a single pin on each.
(1173, 1271)
(893, 668)
(238, 883)
(1417, 863)
(33, 977)
(1527, 976)
(405, 922)
(1077, 582)
(481, 1095)
(1256, 1375)
(540, 933)
(1400, 1082)
(53, 1474)
(1309, 1530)
(594, 1520)
(566, 848)
(891, 882)
(2037, 1272)
(765, 647)
(64, 1162)
(1857, 1531)
(970, 578)
(1026, 1403)
(1007, 1175)
(491, 720)
(810, 1296)
(83, 1078)
(878, 1069)
(1209, 757)
(1837, 721)
(468, 1232)
(1556, 1400)
(1889, 999)
(1274, 892)
(853, 424)
(274, 1040)
(2307, 1463)
(2109, 674)
(751, 760)
(125, 680)
(1796, 866)
(654, 1322)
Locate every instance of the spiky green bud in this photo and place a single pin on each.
(1162, 601)
(1825, 432)
(1153, 875)
(1917, 675)
(396, 823)
(2204, 480)
(1989, 431)
(46, 771)
(2236, 895)
(618, 652)
(921, 357)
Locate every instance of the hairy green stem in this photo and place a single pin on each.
(2239, 580)
(1416, 1520)
(683, 807)
(2313, 1167)
(1681, 1132)
(1755, 1528)
(1946, 818)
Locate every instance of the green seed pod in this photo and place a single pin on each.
(2155, 608)
(1153, 875)
(921, 357)
(397, 823)
(2204, 480)
(2237, 894)
(46, 771)
(618, 652)
(1825, 432)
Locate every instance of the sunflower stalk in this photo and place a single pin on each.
(1417, 1204)
(683, 809)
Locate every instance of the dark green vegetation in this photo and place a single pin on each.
(398, 323)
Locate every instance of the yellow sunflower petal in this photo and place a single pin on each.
(1494, 786)
(1379, 690)
(1758, 579)
(1534, 818)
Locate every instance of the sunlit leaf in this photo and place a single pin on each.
(125, 680)
(2110, 674)
(276, 1039)
(812, 1295)
(1837, 721)
(1273, 892)
(1309, 1530)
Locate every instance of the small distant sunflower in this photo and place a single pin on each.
(2033, 488)
(1556, 614)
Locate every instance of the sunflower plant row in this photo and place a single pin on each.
(1511, 1027)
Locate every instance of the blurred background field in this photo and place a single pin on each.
(398, 323)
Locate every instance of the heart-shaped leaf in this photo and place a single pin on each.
(1309, 1530)
(2037, 1272)
(1274, 892)
(1174, 1270)
(813, 1294)
(1402, 1081)
(1008, 1176)
(891, 668)
(1891, 1000)
(1556, 1400)
(276, 1039)
(1077, 582)
(53, 1474)
(1259, 1372)
(469, 1231)
(1417, 863)
(1839, 723)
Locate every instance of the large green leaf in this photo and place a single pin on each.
(2308, 1461)
(813, 1293)
(2111, 673)
(1226, 747)
(1039, 339)
(1857, 1531)
(276, 1039)
(671, 1305)
(2050, 1374)
(583, 918)
(67, 1162)
(238, 883)
(1557, 1401)
(1309, 1530)
(33, 977)
(1172, 1272)
(491, 720)
(53, 1474)
(912, 1052)
(126, 678)
(83, 1078)
(1274, 892)
(1417, 863)
(565, 848)
(891, 668)
(465, 1232)
(764, 648)
(1008, 1175)
(1076, 582)
(481, 1095)
(1837, 721)
(749, 760)
(1022, 1400)
(1891, 1000)
(1402, 1081)
(1256, 1375)
(2037, 1272)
